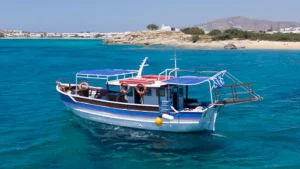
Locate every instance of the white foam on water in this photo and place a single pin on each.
(219, 135)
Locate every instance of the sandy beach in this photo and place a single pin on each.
(269, 45)
(240, 44)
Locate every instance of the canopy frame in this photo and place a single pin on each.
(96, 74)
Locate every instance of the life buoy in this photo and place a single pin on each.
(124, 84)
(83, 86)
(138, 90)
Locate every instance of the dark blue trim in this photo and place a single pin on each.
(66, 98)
(185, 115)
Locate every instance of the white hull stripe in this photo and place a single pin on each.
(107, 115)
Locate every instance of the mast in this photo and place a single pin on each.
(175, 62)
(142, 67)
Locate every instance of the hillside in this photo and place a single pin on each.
(245, 23)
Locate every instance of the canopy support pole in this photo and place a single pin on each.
(168, 97)
(210, 91)
(107, 86)
(76, 84)
(186, 92)
(158, 93)
(175, 64)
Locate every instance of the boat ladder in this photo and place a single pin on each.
(164, 106)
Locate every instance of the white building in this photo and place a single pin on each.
(69, 35)
(80, 35)
(290, 30)
(53, 35)
(168, 28)
(165, 28)
(86, 35)
(19, 34)
(111, 34)
(13, 31)
(295, 30)
(36, 35)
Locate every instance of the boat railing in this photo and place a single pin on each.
(167, 73)
(173, 110)
(108, 77)
(65, 81)
(174, 70)
(70, 81)
(235, 93)
(239, 83)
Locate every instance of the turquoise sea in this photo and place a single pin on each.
(36, 130)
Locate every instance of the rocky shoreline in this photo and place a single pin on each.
(150, 38)
(181, 40)
(168, 38)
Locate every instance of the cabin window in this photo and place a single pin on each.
(130, 92)
(114, 89)
(148, 92)
(160, 92)
(175, 89)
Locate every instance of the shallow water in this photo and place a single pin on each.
(36, 131)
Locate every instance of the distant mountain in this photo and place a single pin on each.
(245, 23)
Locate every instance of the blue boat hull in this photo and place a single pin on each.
(183, 121)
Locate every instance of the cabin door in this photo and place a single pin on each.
(137, 97)
(175, 97)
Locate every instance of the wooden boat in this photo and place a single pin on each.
(154, 102)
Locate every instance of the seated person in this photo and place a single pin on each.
(100, 93)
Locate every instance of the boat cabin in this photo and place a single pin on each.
(150, 90)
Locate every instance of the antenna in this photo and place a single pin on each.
(175, 62)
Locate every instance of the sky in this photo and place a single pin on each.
(134, 15)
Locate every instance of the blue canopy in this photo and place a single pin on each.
(106, 72)
(186, 80)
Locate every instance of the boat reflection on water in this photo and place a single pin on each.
(115, 138)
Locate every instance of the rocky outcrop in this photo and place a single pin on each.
(150, 38)
(230, 46)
